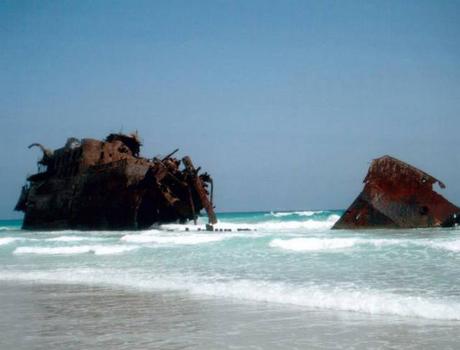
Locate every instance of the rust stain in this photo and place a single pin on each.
(398, 195)
(94, 184)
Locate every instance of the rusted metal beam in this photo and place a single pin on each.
(170, 154)
(199, 188)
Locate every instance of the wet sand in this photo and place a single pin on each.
(57, 316)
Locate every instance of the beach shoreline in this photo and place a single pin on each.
(74, 316)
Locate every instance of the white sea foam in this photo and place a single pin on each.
(173, 239)
(312, 296)
(279, 214)
(293, 213)
(282, 226)
(7, 228)
(313, 244)
(264, 226)
(383, 242)
(95, 234)
(319, 244)
(200, 224)
(8, 240)
(453, 246)
(95, 249)
(366, 301)
(73, 239)
(308, 213)
(296, 225)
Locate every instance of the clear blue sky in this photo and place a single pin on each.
(283, 102)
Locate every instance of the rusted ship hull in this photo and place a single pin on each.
(102, 185)
(398, 195)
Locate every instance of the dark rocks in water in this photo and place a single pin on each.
(93, 184)
(398, 195)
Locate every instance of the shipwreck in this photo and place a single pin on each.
(398, 195)
(93, 184)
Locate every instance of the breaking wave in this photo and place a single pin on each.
(251, 269)
(367, 301)
(6, 228)
(94, 249)
(281, 214)
(453, 246)
(283, 226)
(73, 239)
(302, 244)
(8, 240)
(313, 244)
(180, 240)
(264, 226)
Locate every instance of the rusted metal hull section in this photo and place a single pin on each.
(92, 184)
(398, 195)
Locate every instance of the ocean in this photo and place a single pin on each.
(265, 280)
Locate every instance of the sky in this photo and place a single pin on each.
(284, 103)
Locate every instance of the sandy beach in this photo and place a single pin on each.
(56, 316)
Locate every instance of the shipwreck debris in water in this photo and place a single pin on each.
(93, 184)
(398, 195)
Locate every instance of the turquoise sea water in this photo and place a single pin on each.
(288, 260)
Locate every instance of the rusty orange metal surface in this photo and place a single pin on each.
(105, 184)
(398, 195)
